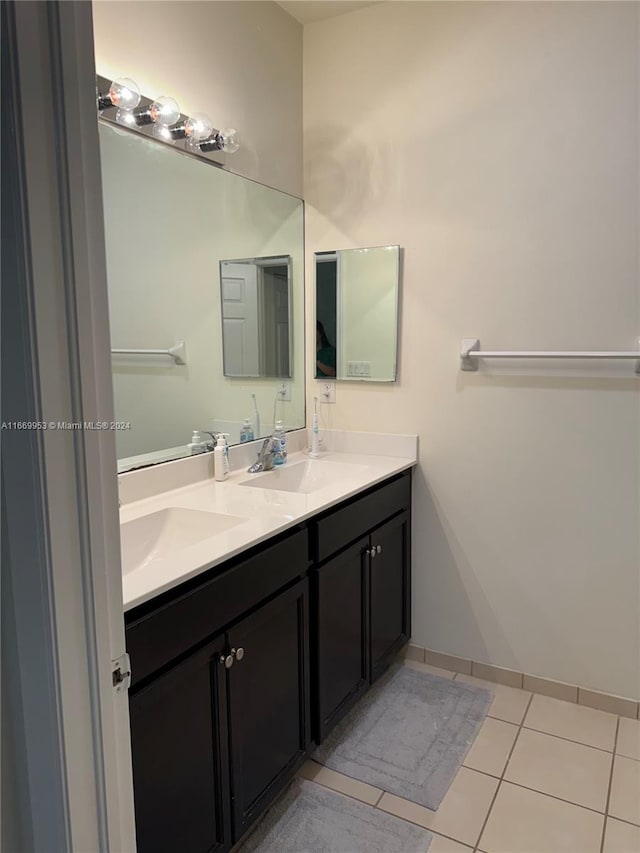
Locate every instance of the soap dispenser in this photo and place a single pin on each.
(246, 433)
(197, 443)
(221, 458)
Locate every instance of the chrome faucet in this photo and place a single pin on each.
(266, 456)
(211, 445)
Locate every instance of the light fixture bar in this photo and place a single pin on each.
(119, 102)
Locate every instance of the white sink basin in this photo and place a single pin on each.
(304, 477)
(162, 534)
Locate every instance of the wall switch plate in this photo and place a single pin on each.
(327, 392)
(284, 391)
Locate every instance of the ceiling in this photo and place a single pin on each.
(308, 11)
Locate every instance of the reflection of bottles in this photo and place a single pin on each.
(256, 418)
(281, 450)
(197, 444)
(246, 433)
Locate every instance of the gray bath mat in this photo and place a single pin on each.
(312, 819)
(408, 735)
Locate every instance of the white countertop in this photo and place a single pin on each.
(265, 513)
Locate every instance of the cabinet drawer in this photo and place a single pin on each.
(158, 637)
(344, 525)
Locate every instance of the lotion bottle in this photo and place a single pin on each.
(197, 443)
(221, 458)
(315, 437)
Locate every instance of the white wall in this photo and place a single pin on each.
(240, 62)
(498, 144)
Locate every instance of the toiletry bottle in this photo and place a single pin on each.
(246, 433)
(197, 443)
(280, 435)
(221, 458)
(255, 418)
(315, 437)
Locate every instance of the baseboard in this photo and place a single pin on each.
(535, 684)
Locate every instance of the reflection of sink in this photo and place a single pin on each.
(161, 534)
(304, 477)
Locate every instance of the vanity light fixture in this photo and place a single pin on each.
(227, 140)
(163, 118)
(196, 128)
(123, 93)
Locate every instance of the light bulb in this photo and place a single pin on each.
(124, 93)
(125, 117)
(161, 131)
(164, 110)
(229, 140)
(198, 127)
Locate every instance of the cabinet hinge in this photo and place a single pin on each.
(121, 673)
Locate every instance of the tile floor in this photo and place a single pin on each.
(543, 776)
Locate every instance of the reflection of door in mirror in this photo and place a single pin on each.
(326, 315)
(240, 319)
(256, 308)
(274, 314)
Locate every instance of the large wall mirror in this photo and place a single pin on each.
(178, 231)
(357, 313)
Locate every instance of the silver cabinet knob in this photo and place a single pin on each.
(239, 653)
(372, 552)
(227, 660)
(378, 549)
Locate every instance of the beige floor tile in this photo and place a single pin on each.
(625, 790)
(440, 844)
(338, 782)
(629, 738)
(523, 821)
(491, 748)
(426, 667)
(461, 813)
(574, 722)
(620, 837)
(509, 703)
(561, 768)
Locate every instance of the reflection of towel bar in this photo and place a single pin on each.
(470, 352)
(177, 352)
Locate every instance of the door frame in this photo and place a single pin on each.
(59, 486)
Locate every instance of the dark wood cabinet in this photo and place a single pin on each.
(361, 597)
(390, 592)
(234, 671)
(269, 725)
(180, 757)
(341, 661)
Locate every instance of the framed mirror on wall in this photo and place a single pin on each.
(357, 293)
(177, 227)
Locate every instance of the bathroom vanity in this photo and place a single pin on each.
(239, 669)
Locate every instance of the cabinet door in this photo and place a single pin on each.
(390, 592)
(341, 671)
(268, 688)
(180, 758)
